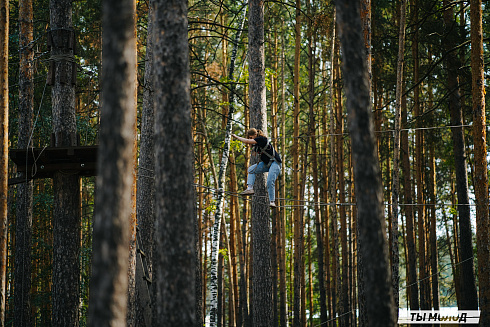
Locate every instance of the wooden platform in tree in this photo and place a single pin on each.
(44, 162)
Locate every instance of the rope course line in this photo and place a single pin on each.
(213, 190)
(379, 132)
(34, 167)
(308, 203)
(402, 288)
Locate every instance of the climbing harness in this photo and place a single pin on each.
(271, 157)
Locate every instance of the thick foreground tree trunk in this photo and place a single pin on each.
(109, 283)
(66, 186)
(380, 306)
(174, 245)
(262, 310)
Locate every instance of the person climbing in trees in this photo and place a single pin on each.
(270, 161)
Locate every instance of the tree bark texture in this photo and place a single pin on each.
(469, 298)
(480, 155)
(298, 231)
(132, 261)
(434, 262)
(282, 212)
(261, 242)
(314, 162)
(4, 109)
(145, 197)
(373, 245)
(419, 166)
(174, 244)
(413, 288)
(109, 284)
(66, 185)
(395, 256)
(23, 234)
(452, 64)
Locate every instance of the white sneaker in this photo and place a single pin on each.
(272, 204)
(248, 191)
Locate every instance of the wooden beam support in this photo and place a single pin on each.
(44, 162)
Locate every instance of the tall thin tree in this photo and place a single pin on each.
(395, 256)
(298, 230)
(413, 288)
(66, 187)
(173, 252)
(481, 166)
(109, 283)
(262, 272)
(469, 299)
(314, 162)
(145, 196)
(4, 109)
(216, 232)
(23, 235)
(380, 306)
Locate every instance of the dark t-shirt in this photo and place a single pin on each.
(262, 143)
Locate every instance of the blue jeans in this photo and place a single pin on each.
(274, 171)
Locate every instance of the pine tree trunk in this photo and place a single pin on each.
(109, 282)
(246, 235)
(432, 234)
(276, 235)
(298, 231)
(66, 187)
(262, 274)
(235, 243)
(337, 277)
(243, 275)
(367, 33)
(245, 254)
(456, 247)
(333, 179)
(173, 252)
(452, 258)
(145, 196)
(379, 297)
(314, 165)
(23, 234)
(343, 279)
(131, 317)
(467, 276)
(419, 164)
(481, 165)
(332, 211)
(353, 248)
(234, 217)
(413, 288)
(4, 109)
(282, 214)
(395, 256)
